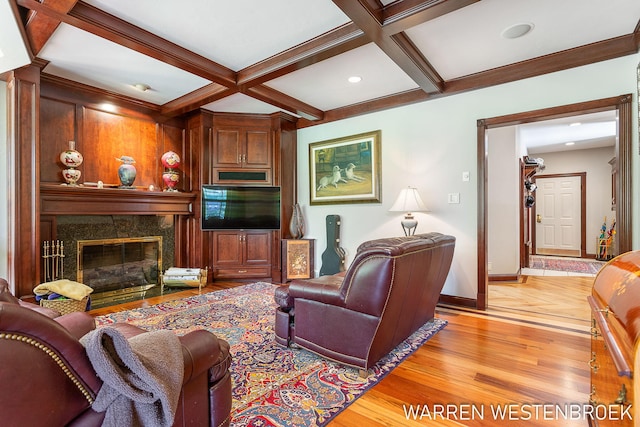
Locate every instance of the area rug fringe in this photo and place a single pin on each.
(272, 385)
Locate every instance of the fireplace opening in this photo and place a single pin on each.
(119, 269)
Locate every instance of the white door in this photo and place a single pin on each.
(558, 204)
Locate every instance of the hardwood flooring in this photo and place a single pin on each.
(526, 354)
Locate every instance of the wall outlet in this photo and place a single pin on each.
(466, 176)
(454, 197)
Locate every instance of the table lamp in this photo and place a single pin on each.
(408, 201)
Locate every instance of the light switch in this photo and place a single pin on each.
(466, 176)
(454, 197)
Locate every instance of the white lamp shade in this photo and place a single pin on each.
(408, 201)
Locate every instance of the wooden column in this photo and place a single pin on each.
(23, 158)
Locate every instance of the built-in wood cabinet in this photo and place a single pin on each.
(241, 254)
(242, 154)
(247, 149)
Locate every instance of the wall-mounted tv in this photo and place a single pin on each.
(240, 208)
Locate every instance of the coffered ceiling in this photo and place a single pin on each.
(256, 56)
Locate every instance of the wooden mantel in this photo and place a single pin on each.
(65, 200)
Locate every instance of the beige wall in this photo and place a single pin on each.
(503, 210)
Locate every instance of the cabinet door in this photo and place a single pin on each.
(227, 248)
(257, 246)
(257, 149)
(227, 147)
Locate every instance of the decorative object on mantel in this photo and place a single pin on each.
(71, 159)
(296, 226)
(170, 160)
(53, 259)
(408, 201)
(126, 171)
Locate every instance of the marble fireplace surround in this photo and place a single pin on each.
(152, 234)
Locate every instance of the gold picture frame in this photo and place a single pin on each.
(346, 170)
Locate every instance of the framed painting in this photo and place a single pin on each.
(345, 170)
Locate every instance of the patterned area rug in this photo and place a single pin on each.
(574, 265)
(272, 385)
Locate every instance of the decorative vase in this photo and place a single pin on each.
(296, 226)
(71, 159)
(126, 171)
(170, 160)
(170, 179)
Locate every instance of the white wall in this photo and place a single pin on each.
(503, 193)
(595, 163)
(4, 212)
(430, 144)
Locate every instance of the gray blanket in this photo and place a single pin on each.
(142, 376)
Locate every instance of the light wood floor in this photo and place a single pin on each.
(529, 348)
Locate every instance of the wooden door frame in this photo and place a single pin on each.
(621, 104)
(583, 211)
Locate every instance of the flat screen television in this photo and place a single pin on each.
(240, 208)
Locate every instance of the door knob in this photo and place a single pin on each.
(538, 218)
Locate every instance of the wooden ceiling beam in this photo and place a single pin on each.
(328, 45)
(286, 102)
(196, 99)
(379, 104)
(109, 27)
(400, 16)
(40, 27)
(397, 47)
(571, 58)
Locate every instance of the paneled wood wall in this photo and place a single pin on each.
(101, 136)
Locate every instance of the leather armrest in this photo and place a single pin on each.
(77, 323)
(325, 289)
(202, 351)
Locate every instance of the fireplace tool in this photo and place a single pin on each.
(53, 258)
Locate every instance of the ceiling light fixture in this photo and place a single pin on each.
(355, 79)
(569, 143)
(142, 87)
(517, 30)
(575, 124)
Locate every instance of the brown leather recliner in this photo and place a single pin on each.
(47, 379)
(389, 291)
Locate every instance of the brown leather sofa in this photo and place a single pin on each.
(356, 317)
(46, 378)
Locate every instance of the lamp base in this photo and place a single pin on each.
(409, 225)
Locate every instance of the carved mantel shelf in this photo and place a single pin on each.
(58, 199)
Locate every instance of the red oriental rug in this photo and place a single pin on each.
(272, 385)
(574, 265)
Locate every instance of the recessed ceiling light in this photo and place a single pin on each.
(575, 124)
(517, 30)
(569, 143)
(355, 79)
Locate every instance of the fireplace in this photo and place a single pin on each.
(118, 269)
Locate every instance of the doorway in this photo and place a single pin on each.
(622, 183)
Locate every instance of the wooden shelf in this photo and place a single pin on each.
(64, 200)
